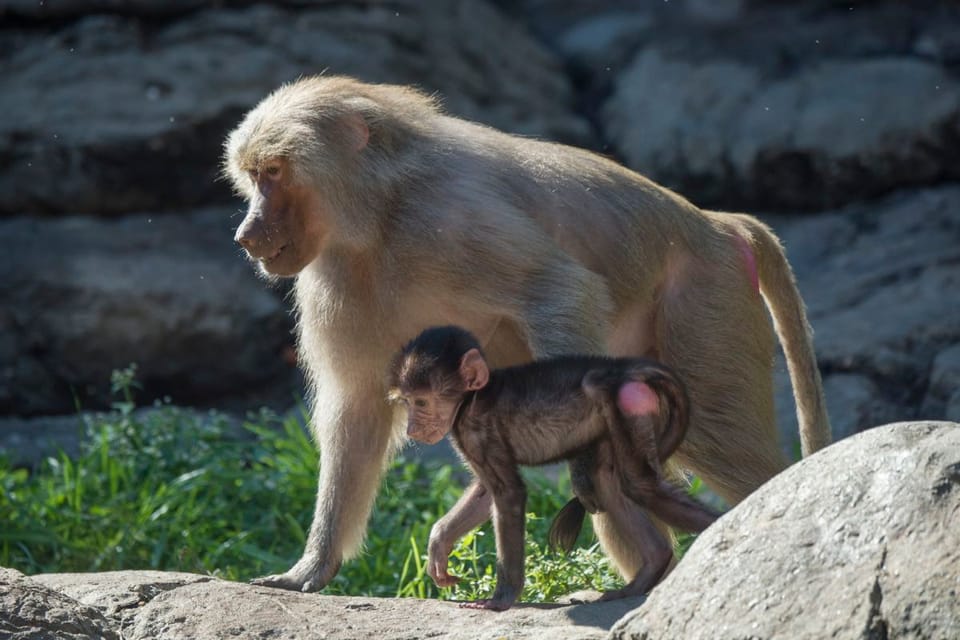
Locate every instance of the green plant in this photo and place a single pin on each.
(164, 488)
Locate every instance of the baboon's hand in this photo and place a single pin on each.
(438, 553)
(308, 574)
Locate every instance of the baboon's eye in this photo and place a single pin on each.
(272, 171)
(420, 402)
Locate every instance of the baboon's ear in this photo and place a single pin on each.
(473, 370)
(360, 112)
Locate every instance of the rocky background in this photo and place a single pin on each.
(837, 122)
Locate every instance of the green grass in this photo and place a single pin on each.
(166, 489)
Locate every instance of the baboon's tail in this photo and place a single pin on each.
(566, 525)
(779, 287)
(674, 407)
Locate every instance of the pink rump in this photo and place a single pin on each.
(636, 398)
(749, 261)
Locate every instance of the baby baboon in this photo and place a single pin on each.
(546, 411)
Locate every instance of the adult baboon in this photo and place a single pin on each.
(394, 216)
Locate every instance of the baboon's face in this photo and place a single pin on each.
(429, 415)
(284, 228)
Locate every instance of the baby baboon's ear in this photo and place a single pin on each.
(473, 370)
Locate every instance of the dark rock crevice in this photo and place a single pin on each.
(876, 627)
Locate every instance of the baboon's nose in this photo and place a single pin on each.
(246, 235)
(243, 240)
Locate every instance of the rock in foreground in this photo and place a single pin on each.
(861, 540)
(157, 605)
